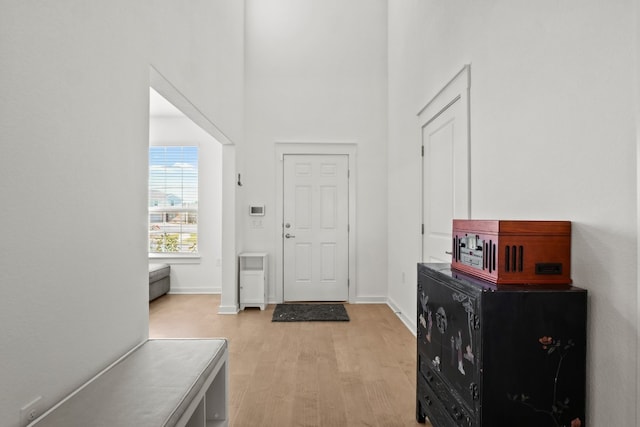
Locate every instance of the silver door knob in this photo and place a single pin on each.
(288, 236)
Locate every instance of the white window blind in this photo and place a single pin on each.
(173, 199)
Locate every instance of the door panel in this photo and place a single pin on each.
(303, 207)
(315, 233)
(438, 140)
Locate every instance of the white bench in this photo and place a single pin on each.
(164, 382)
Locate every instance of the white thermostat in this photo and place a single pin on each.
(256, 210)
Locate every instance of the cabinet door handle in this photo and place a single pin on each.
(289, 236)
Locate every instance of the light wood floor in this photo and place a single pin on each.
(356, 373)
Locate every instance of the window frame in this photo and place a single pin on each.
(164, 210)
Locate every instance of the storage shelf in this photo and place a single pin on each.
(252, 279)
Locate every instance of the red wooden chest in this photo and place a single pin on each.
(513, 252)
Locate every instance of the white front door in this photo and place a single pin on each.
(316, 227)
(445, 166)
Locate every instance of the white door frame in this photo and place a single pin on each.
(229, 288)
(456, 90)
(292, 148)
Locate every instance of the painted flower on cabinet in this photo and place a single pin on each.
(551, 347)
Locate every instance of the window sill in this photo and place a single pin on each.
(175, 258)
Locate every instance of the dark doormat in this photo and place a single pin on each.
(309, 313)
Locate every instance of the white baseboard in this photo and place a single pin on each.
(195, 290)
(369, 300)
(228, 309)
(409, 323)
(358, 300)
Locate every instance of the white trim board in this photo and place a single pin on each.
(165, 88)
(409, 323)
(195, 291)
(370, 300)
(229, 293)
(455, 91)
(460, 83)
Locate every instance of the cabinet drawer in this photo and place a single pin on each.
(440, 391)
(441, 414)
(431, 406)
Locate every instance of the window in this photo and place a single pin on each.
(173, 199)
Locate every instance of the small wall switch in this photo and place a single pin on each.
(31, 411)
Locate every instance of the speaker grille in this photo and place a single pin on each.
(489, 256)
(456, 249)
(514, 258)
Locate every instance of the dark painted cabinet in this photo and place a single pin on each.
(508, 355)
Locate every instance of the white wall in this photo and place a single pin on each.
(316, 72)
(204, 273)
(637, 112)
(553, 136)
(74, 82)
(547, 76)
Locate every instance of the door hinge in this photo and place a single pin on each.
(348, 228)
(422, 229)
(422, 151)
(348, 173)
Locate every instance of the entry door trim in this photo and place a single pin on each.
(456, 90)
(319, 148)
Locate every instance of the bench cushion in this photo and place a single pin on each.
(159, 280)
(151, 387)
(158, 271)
